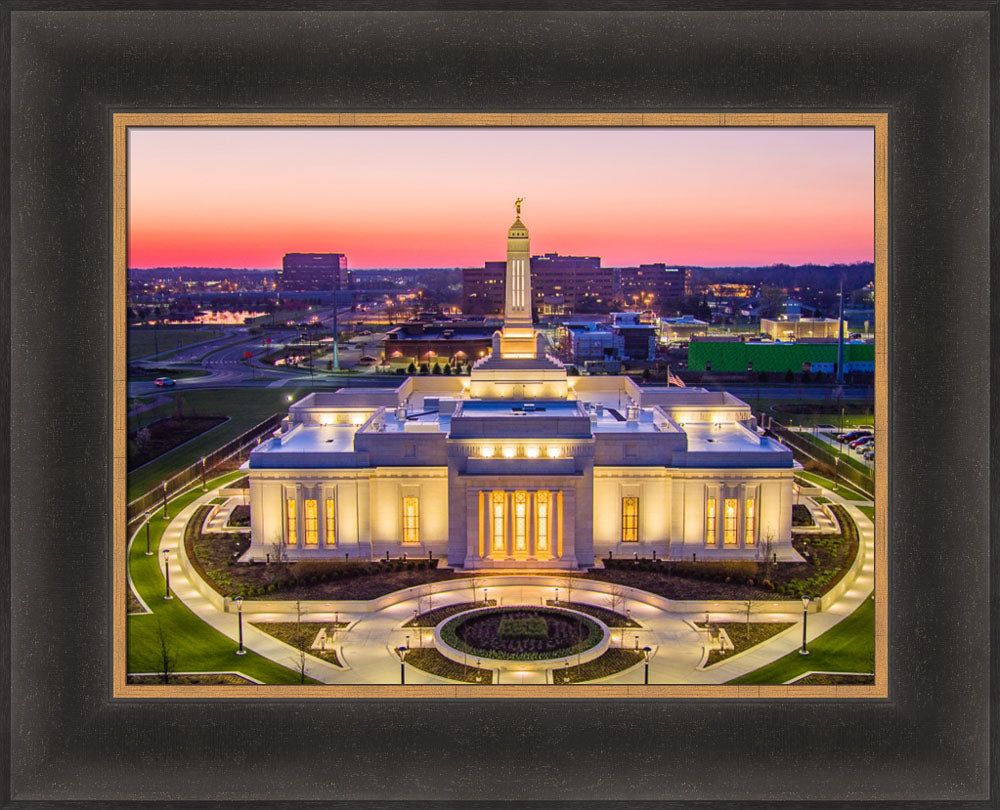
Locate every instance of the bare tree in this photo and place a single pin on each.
(300, 641)
(765, 551)
(568, 585)
(276, 546)
(167, 655)
(616, 599)
(474, 584)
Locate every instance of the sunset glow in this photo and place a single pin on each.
(220, 197)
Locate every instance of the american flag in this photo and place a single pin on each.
(673, 379)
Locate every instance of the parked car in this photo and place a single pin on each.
(165, 382)
(870, 455)
(858, 443)
(853, 435)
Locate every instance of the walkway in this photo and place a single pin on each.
(366, 647)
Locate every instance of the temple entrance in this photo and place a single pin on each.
(524, 526)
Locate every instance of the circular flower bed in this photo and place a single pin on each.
(522, 634)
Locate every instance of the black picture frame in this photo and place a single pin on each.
(933, 68)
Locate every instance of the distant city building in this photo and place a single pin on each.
(588, 341)
(431, 343)
(681, 329)
(798, 328)
(650, 285)
(638, 337)
(559, 284)
(302, 272)
(730, 290)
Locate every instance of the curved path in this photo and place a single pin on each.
(366, 647)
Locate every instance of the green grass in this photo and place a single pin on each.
(844, 492)
(851, 420)
(145, 340)
(197, 647)
(245, 407)
(868, 511)
(847, 647)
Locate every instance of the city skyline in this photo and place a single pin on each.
(214, 197)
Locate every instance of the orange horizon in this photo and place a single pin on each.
(242, 198)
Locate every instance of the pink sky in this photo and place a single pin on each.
(220, 197)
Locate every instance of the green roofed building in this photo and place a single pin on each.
(735, 355)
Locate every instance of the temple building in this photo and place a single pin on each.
(518, 466)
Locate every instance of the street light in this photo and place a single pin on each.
(486, 597)
(557, 596)
(164, 485)
(805, 614)
(166, 571)
(401, 652)
(202, 473)
(239, 614)
(647, 652)
(148, 552)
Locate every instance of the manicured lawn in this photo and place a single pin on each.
(868, 511)
(145, 340)
(244, 407)
(842, 490)
(196, 646)
(847, 647)
(851, 420)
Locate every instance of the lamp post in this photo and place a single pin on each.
(164, 487)
(646, 654)
(557, 596)
(166, 572)
(637, 642)
(805, 614)
(486, 597)
(202, 473)
(148, 552)
(239, 615)
(401, 652)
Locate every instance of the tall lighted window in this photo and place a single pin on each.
(521, 522)
(411, 519)
(710, 522)
(630, 520)
(498, 506)
(292, 527)
(331, 522)
(751, 519)
(542, 522)
(311, 523)
(729, 522)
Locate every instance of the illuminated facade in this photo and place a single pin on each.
(520, 466)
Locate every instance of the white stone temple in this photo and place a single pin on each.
(519, 466)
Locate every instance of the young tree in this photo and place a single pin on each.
(765, 551)
(167, 655)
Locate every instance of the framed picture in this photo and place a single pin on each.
(84, 83)
(571, 498)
